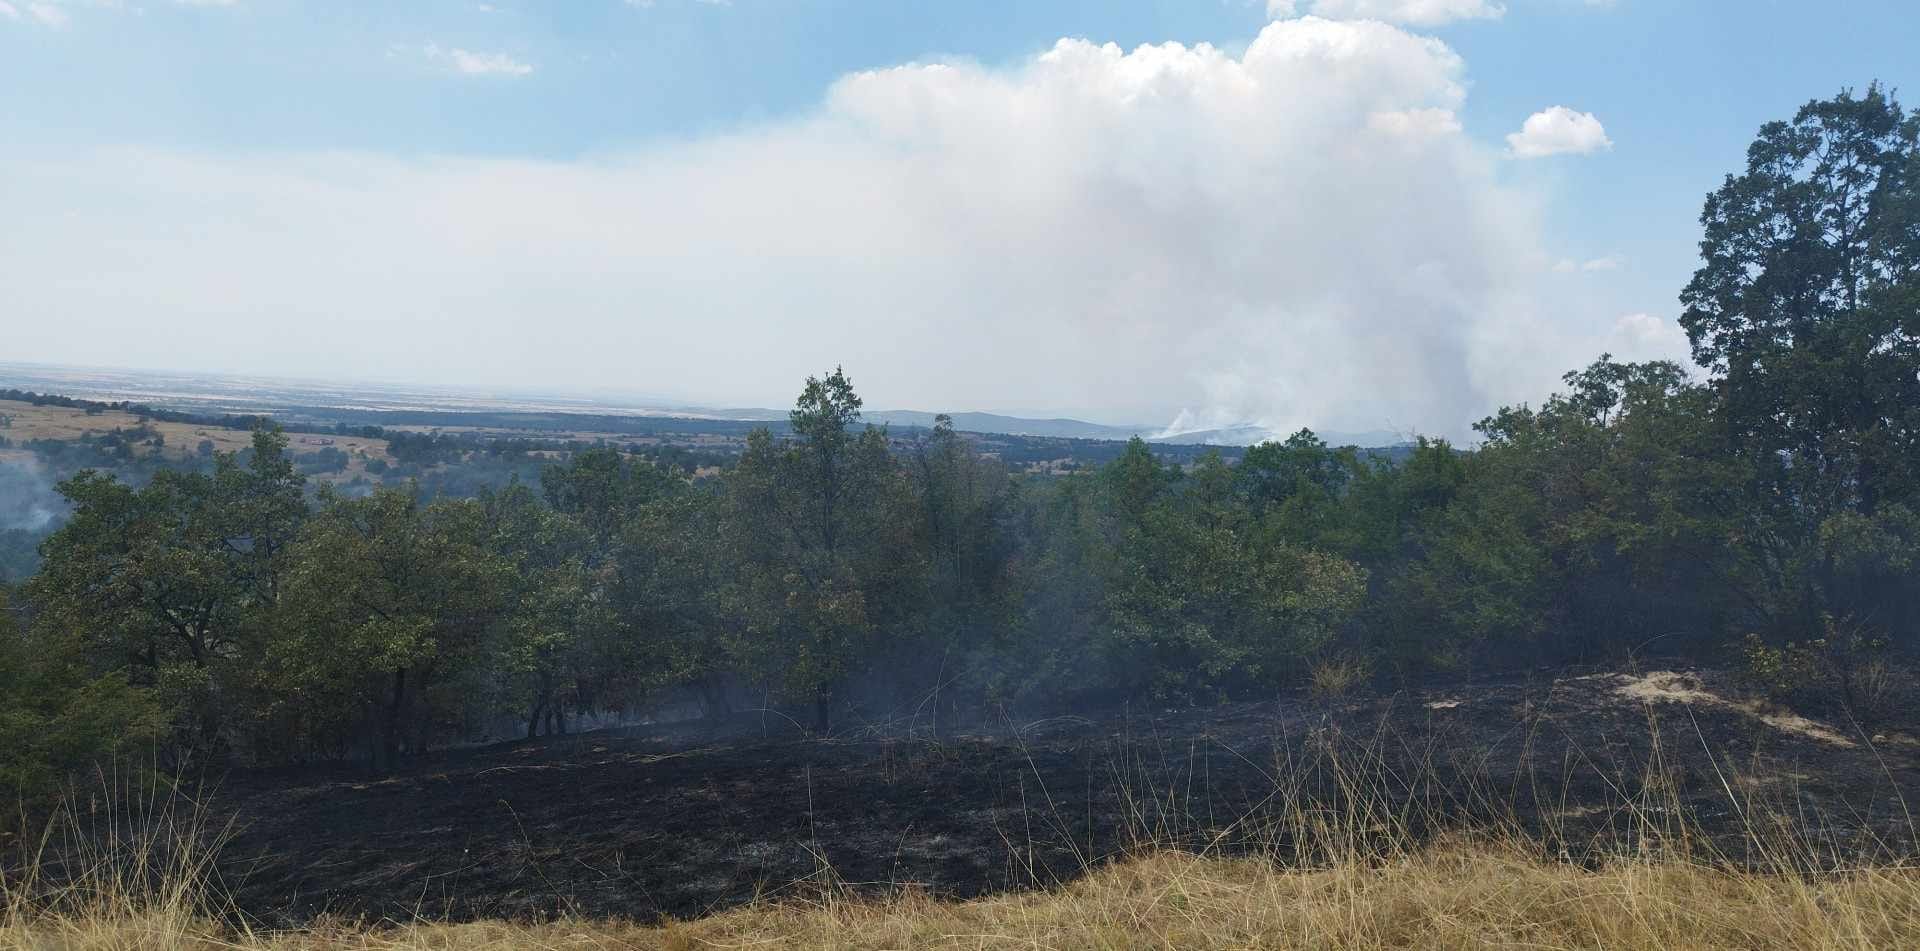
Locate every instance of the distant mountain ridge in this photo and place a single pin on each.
(1011, 425)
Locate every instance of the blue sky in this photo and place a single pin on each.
(184, 134)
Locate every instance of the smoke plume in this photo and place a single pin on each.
(28, 499)
(1300, 233)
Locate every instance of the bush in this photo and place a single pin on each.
(1847, 670)
(1338, 675)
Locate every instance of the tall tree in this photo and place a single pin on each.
(175, 581)
(676, 594)
(602, 489)
(1205, 602)
(1807, 309)
(559, 650)
(390, 600)
(829, 561)
(962, 498)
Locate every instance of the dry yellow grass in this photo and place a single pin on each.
(1344, 874)
(182, 439)
(1457, 896)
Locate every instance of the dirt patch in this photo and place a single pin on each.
(1667, 686)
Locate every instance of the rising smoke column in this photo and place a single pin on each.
(1298, 233)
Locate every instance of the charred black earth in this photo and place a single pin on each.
(646, 822)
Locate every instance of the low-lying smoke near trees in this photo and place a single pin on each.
(28, 499)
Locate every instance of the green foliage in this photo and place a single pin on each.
(1058, 582)
(57, 716)
(830, 559)
(1605, 521)
(1807, 308)
(174, 583)
(677, 598)
(1300, 481)
(1844, 671)
(1207, 598)
(410, 595)
(557, 647)
(603, 489)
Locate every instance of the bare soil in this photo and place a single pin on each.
(680, 821)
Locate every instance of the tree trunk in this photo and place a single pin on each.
(388, 753)
(822, 706)
(713, 698)
(1869, 478)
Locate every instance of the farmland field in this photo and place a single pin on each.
(22, 421)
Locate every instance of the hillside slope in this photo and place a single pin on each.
(682, 821)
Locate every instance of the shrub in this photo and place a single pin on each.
(1847, 669)
(1338, 675)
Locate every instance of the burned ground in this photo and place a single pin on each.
(645, 822)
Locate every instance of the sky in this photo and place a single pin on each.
(1351, 214)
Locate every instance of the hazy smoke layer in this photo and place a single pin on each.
(1301, 233)
(28, 499)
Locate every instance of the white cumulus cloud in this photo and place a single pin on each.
(471, 63)
(1611, 262)
(1298, 234)
(1558, 131)
(48, 14)
(1422, 13)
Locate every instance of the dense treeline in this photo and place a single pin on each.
(1766, 512)
(432, 464)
